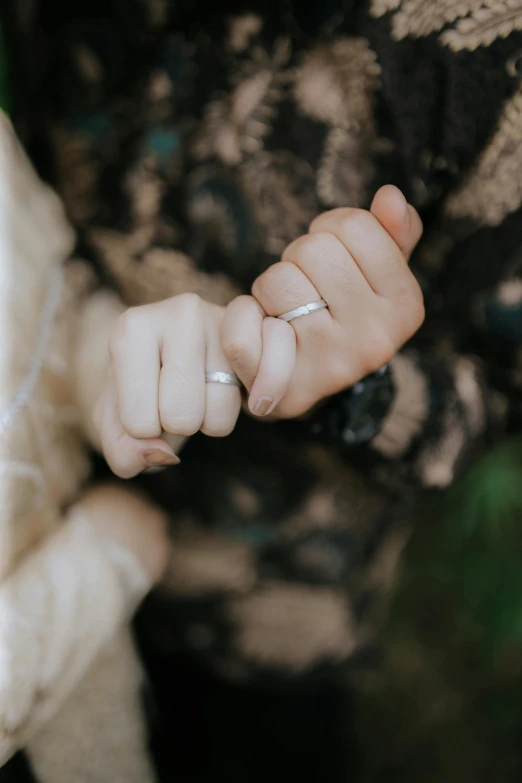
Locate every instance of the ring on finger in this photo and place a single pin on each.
(290, 315)
(227, 378)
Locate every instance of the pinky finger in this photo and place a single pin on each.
(276, 368)
(241, 336)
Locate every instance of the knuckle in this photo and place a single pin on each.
(341, 272)
(177, 423)
(189, 303)
(324, 253)
(330, 214)
(188, 427)
(140, 428)
(277, 281)
(236, 352)
(354, 219)
(314, 248)
(217, 428)
(126, 328)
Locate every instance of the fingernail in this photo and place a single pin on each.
(155, 457)
(262, 406)
(407, 214)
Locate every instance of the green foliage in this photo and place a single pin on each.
(447, 705)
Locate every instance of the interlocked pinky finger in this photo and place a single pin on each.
(222, 401)
(276, 368)
(241, 336)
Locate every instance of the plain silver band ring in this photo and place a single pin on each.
(228, 378)
(303, 310)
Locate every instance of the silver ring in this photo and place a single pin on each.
(228, 378)
(303, 310)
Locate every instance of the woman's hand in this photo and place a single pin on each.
(357, 261)
(159, 354)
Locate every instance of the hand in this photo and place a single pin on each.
(159, 354)
(357, 261)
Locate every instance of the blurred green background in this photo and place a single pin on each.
(447, 704)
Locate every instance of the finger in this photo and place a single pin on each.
(374, 251)
(276, 368)
(135, 360)
(241, 337)
(222, 401)
(283, 287)
(399, 218)
(182, 378)
(325, 261)
(127, 456)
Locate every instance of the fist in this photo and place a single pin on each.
(156, 388)
(357, 261)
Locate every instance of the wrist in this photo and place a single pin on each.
(355, 415)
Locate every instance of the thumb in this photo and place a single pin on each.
(400, 219)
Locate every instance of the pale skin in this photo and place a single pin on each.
(356, 260)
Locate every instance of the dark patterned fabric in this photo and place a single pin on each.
(191, 143)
